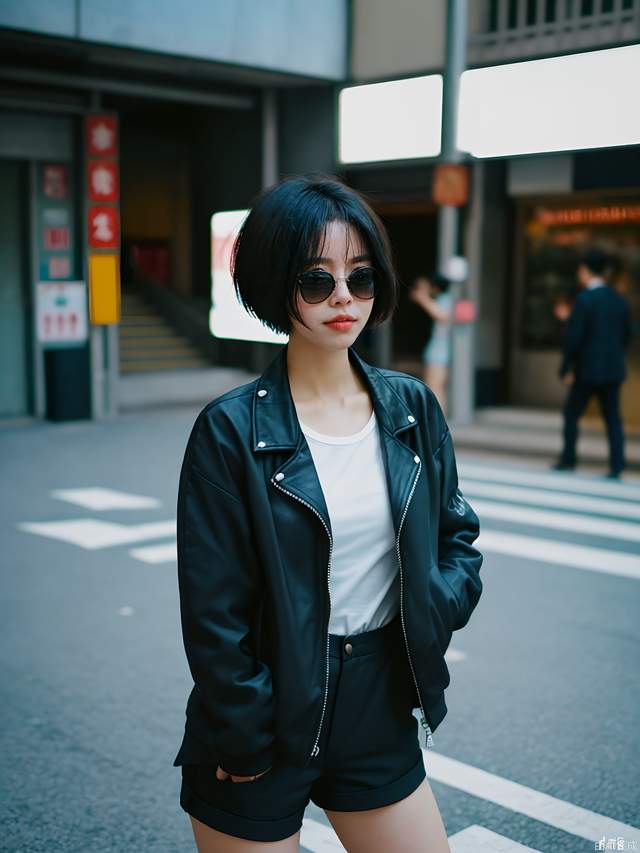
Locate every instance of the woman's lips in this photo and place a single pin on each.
(341, 325)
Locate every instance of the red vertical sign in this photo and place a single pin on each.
(103, 209)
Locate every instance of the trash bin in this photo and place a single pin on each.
(67, 383)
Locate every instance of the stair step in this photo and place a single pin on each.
(169, 364)
(130, 342)
(148, 341)
(147, 331)
(167, 352)
(141, 320)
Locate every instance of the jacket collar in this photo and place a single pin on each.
(274, 416)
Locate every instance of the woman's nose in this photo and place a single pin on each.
(341, 291)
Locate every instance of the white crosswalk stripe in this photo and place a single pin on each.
(559, 553)
(478, 839)
(570, 483)
(92, 534)
(524, 800)
(540, 497)
(156, 553)
(565, 521)
(98, 499)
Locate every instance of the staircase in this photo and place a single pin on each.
(148, 343)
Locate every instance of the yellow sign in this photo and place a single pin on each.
(104, 289)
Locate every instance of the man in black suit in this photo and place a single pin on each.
(593, 359)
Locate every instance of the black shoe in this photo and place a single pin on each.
(562, 466)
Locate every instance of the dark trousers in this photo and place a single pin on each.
(609, 398)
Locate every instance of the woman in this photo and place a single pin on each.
(433, 297)
(325, 554)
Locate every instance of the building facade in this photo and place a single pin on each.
(215, 105)
(209, 105)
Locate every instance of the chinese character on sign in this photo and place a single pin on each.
(56, 238)
(103, 180)
(54, 181)
(59, 267)
(104, 227)
(102, 137)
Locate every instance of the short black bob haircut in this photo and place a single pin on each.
(286, 226)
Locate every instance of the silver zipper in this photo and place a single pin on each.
(423, 720)
(315, 751)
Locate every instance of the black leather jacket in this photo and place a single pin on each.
(254, 560)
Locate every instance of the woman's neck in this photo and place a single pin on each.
(321, 376)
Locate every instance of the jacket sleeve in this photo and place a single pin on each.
(220, 588)
(574, 335)
(459, 561)
(626, 326)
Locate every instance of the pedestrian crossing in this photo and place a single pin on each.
(557, 508)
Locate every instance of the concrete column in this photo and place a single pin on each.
(461, 387)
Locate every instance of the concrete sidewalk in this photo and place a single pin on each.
(536, 432)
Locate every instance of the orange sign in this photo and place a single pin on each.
(450, 184)
(465, 311)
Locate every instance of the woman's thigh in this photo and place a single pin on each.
(209, 840)
(413, 823)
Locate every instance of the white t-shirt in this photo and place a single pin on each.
(364, 582)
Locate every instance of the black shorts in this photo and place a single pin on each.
(369, 756)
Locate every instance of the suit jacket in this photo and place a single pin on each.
(597, 334)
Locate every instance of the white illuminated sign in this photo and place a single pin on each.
(565, 103)
(228, 318)
(397, 120)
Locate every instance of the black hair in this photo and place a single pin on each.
(440, 281)
(285, 227)
(437, 279)
(596, 260)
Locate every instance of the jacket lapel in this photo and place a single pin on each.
(276, 427)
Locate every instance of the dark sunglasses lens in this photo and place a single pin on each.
(316, 286)
(362, 283)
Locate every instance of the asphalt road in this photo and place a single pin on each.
(540, 747)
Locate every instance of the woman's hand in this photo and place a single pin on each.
(222, 775)
(419, 290)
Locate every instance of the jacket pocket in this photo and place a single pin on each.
(445, 608)
(194, 751)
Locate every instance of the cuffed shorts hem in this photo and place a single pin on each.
(374, 798)
(236, 825)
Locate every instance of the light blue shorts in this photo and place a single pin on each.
(437, 352)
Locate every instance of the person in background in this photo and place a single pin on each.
(593, 359)
(432, 294)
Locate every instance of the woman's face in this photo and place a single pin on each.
(340, 258)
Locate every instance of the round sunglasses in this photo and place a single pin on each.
(317, 285)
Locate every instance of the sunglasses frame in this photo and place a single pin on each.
(336, 280)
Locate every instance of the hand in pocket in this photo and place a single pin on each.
(222, 775)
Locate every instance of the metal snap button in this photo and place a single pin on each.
(348, 648)
(416, 459)
(279, 476)
(411, 419)
(261, 444)
(262, 392)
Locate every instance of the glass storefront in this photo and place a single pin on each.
(555, 232)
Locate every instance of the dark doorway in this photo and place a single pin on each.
(413, 235)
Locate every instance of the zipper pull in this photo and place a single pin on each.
(428, 739)
(315, 751)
